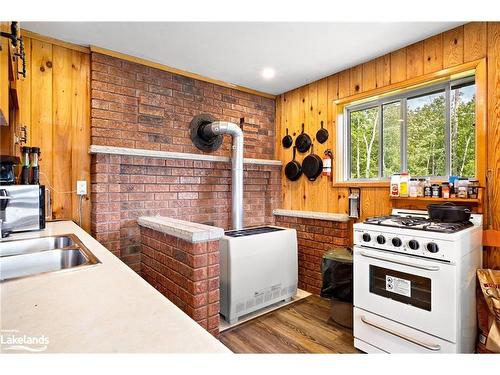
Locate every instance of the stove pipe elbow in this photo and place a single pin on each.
(220, 128)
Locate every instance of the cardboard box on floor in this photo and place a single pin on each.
(488, 311)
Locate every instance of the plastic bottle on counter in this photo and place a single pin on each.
(35, 168)
(453, 186)
(403, 184)
(395, 185)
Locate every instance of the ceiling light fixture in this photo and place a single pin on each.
(268, 73)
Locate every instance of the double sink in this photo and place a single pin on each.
(34, 256)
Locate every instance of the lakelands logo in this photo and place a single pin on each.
(11, 340)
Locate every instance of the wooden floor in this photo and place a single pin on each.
(302, 327)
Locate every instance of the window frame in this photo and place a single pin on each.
(402, 98)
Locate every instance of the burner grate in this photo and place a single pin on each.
(419, 223)
(447, 227)
(412, 221)
(379, 219)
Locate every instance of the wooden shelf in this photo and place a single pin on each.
(474, 201)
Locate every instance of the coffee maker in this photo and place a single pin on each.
(8, 165)
(22, 206)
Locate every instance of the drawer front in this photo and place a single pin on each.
(393, 337)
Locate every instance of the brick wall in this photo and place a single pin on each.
(125, 187)
(137, 106)
(315, 237)
(186, 273)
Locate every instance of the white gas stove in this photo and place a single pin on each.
(414, 283)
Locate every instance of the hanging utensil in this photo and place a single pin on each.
(287, 140)
(293, 169)
(322, 134)
(303, 141)
(312, 166)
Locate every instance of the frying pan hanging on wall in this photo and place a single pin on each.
(322, 134)
(312, 165)
(287, 140)
(303, 141)
(293, 169)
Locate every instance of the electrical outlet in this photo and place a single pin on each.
(81, 187)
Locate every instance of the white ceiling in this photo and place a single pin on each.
(237, 52)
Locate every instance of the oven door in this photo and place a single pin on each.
(409, 290)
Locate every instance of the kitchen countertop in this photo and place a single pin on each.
(312, 215)
(99, 309)
(186, 230)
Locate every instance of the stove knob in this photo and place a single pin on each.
(432, 247)
(366, 237)
(396, 242)
(413, 244)
(380, 239)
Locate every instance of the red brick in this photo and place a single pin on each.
(139, 107)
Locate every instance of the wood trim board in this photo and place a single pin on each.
(54, 41)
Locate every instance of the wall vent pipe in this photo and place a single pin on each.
(207, 134)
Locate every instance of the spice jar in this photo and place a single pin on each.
(421, 187)
(403, 184)
(435, 190)
(427, 188)
(395, 185)
(413, 190)
(445, 190)
(473, 188)
(463, 188)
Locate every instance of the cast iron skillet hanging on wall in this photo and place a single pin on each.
(322, 134)
(287, 140)
(312, 166)
(293, 169)
(303, 141)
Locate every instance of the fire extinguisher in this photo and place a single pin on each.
(327, 163)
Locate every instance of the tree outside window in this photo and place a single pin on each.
(429, 133)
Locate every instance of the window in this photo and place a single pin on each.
(428, 132)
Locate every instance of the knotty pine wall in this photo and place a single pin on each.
(310, 104)
(54, 104)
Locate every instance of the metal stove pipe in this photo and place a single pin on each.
(214, 129)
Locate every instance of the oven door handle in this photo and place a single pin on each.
(409, 264)
(433, 347)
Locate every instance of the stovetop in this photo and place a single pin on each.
(418, 223)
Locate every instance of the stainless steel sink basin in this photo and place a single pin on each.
(29, 257)
(35, 245)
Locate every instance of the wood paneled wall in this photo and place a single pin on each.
(54, 104)
(493, 255)
(311, 104)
